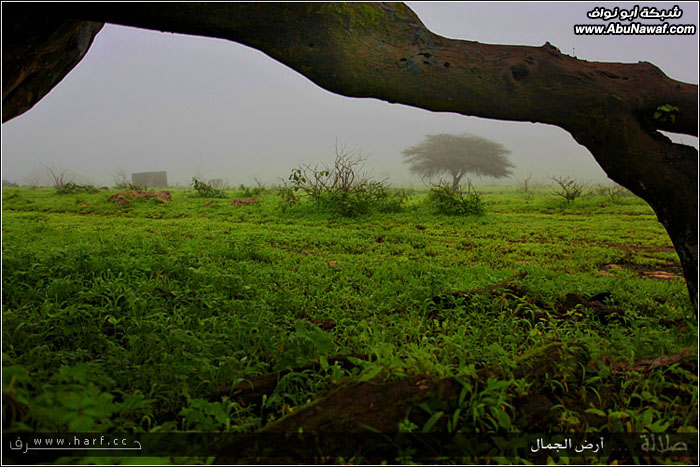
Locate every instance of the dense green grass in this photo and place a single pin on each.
(146, 317)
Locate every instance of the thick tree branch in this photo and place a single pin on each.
(48, 50)
(384, 51)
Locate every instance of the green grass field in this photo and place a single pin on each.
(196, 315)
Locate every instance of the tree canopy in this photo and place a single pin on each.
(458, 155)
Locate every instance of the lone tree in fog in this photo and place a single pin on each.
(458, 155)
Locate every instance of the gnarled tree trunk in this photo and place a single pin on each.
(384, 51)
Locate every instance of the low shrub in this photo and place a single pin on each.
(73, 188)
(568, 188)
(343, 189)
(615, 193)
(288, 195)
(252, 191)
(395, 200)
(360, 200)
(445, 200)
(205, 190)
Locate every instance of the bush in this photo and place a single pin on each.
(395, 200)
(457, 203)
(205, 190)
(568, 188)
(361, 200)
(251, 191)
(615, 193)
(288, 195)
(72, 188)
(344, 189)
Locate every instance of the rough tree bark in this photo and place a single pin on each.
(384, 51)
(38, 52)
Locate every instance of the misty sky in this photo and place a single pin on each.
(144, 100)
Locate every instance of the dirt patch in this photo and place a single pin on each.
(679, 323)
(577, 213)
(596, 303)
(244, 201)
(632, 213)
(653, 249)
(667, 271)
(162, 275)
(645, 366)
(533, 239)
(629, 249)
(126, 197)
(661, 275)
(325, 325)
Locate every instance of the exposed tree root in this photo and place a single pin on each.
(349, 414)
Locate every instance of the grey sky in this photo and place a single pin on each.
(144, 100)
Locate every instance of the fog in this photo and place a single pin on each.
(144, 100)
